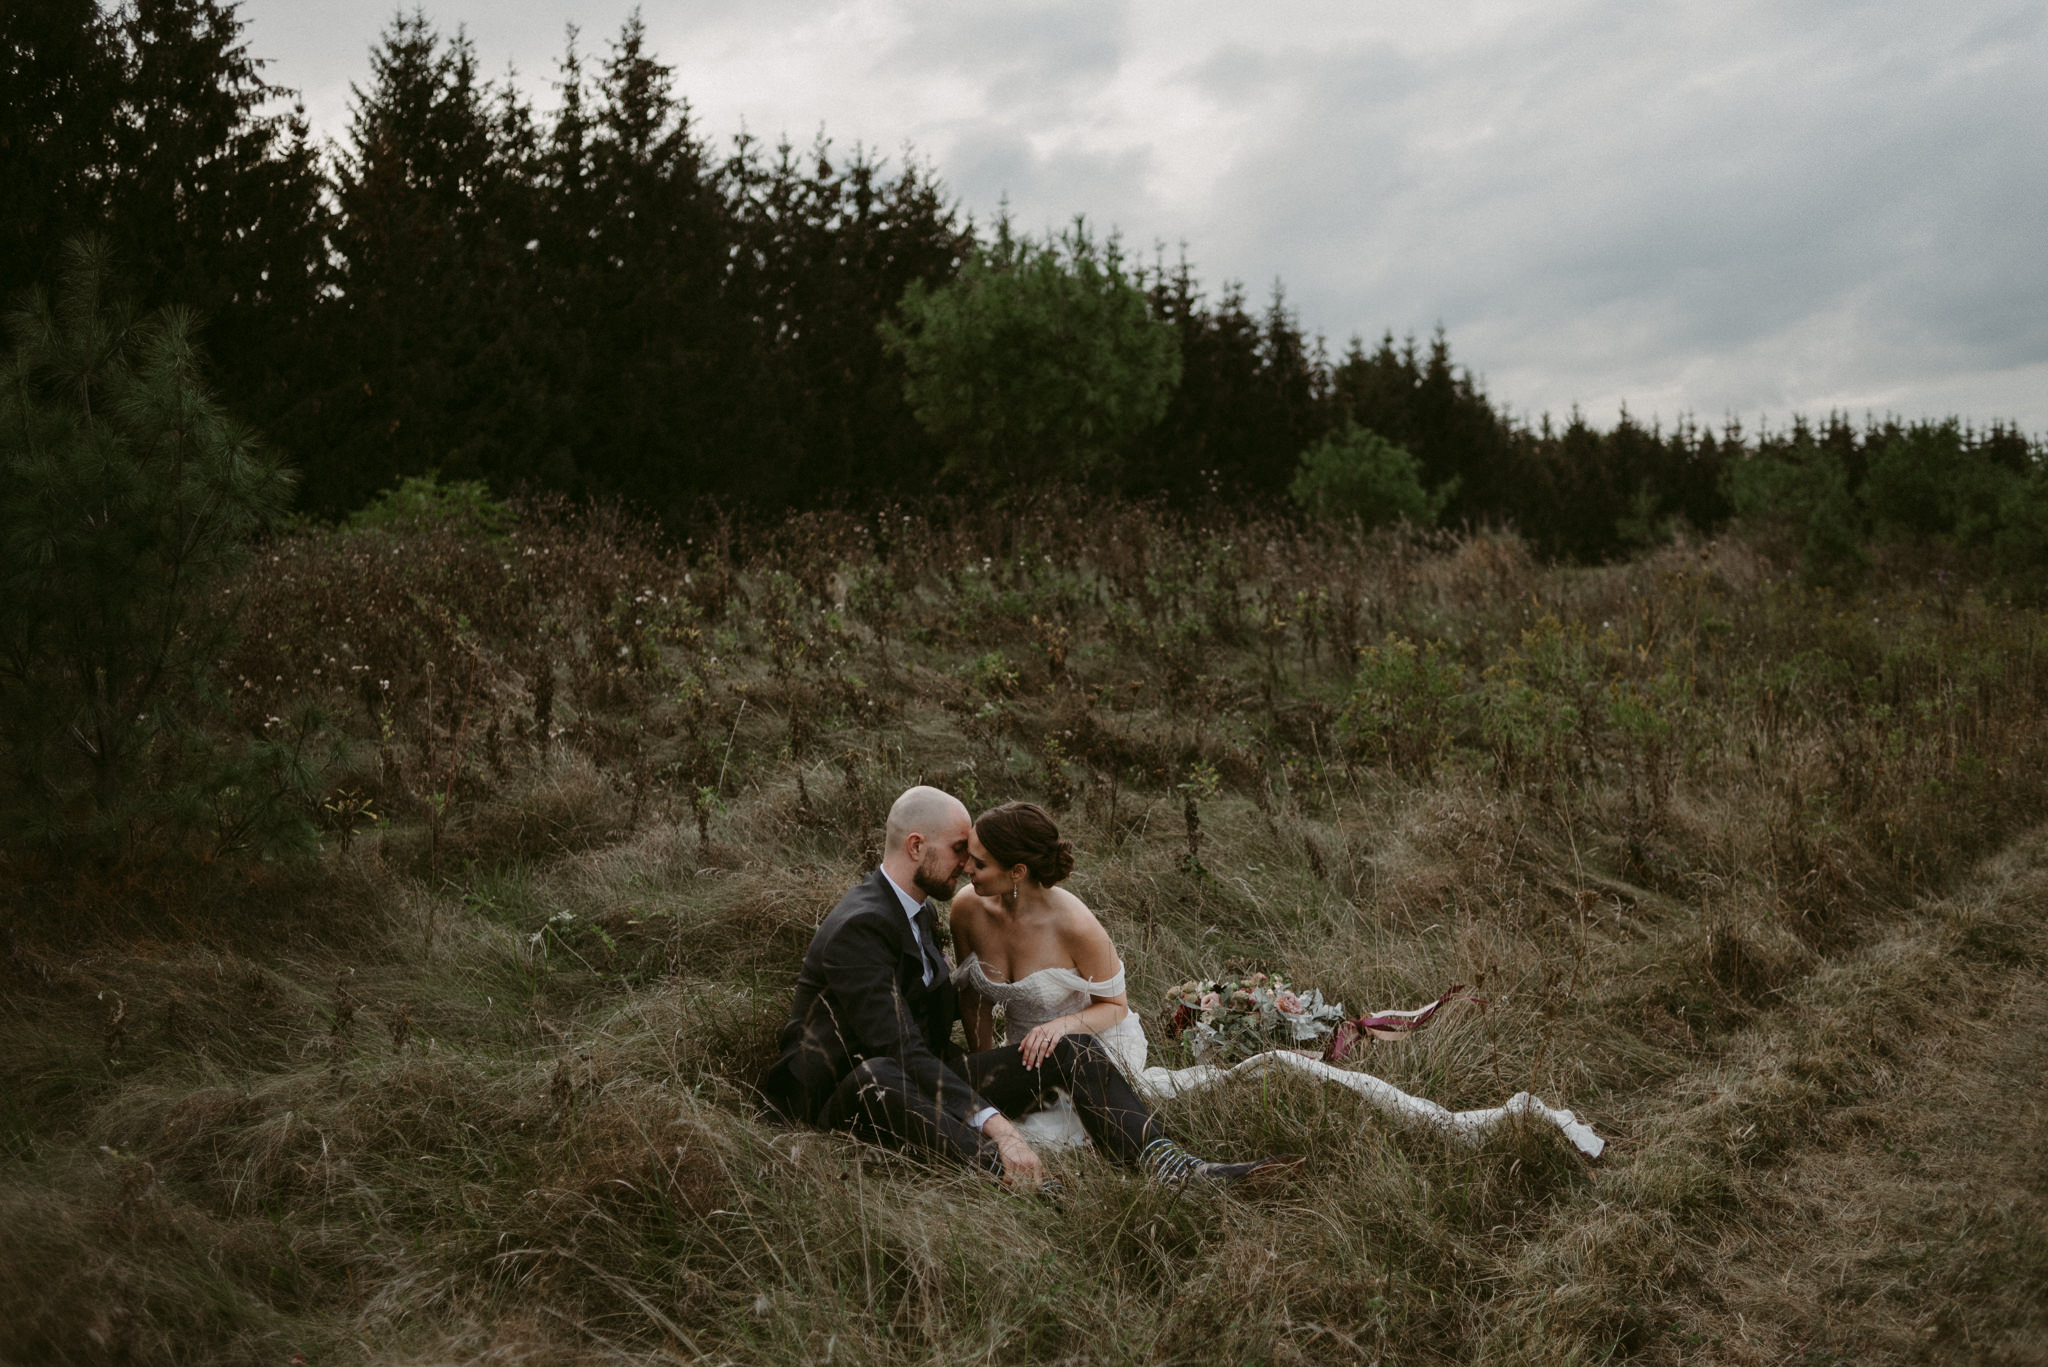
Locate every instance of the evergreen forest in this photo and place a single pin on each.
(606, 300)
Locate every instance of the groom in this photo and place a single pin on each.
(869, 1045)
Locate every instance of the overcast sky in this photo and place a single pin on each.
(1733, 208)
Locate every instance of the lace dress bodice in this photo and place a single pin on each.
(1039, 997)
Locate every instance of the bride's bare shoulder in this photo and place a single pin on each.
(1070, 907)
(969, 912)
(1079, 925)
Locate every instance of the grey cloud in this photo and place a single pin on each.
(2020, 26)
(1680, 220)
(986, 161)
(1731, 207)
(1237, 73)
(1025, 54)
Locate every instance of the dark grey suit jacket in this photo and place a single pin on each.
(861, 995)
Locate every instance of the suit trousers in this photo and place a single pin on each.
(876, 1101)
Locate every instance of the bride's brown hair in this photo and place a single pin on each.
(1023, 833)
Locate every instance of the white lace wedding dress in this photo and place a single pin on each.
(1052, 992)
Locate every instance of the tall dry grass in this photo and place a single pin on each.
(1747, 873)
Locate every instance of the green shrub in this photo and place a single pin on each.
(994, 677)
(1403, 704)
(1931, 483)
(1526, 728)
(1929, 480)
(2021, 541)
(423, 503)
(1355, 472)
(1536, 699)
(1042, 360)
(1803, 486)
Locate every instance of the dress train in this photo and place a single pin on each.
(1053, 992)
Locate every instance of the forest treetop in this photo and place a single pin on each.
(601, 299)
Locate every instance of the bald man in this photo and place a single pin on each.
(869, 1044)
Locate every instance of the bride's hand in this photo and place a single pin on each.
(1039, 1042)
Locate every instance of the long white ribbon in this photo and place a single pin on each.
(1059, 1126)
(1161, 1083)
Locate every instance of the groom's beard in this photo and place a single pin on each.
(931, 885)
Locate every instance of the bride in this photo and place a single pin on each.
(1029, 946)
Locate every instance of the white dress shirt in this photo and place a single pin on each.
(911, 907)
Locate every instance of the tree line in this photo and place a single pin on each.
(598, 300)
(597, 304)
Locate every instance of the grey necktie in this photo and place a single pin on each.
(928, 944)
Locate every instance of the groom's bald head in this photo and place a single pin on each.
(923, 811)
(925, 841)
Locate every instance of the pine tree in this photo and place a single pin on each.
(673, 399)
(433, 362)
(126, 494)
(150, 127)
(1428, 406)
(214, 203)
(60, 83)
(826, 247)
(1254, 393)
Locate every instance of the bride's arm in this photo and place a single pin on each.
(978, 1018)
(977, 1013)
(1095, 958)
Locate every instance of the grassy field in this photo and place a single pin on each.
(1749, 874)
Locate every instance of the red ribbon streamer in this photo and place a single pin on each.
(1387, 1027)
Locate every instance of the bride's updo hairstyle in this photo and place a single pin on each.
(1022, 833)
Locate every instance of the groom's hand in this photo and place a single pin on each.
(1022, 1167)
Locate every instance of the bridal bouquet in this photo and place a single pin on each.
(1233, 1018)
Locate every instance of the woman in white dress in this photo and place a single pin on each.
(1031, 947)
(1028, 945)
